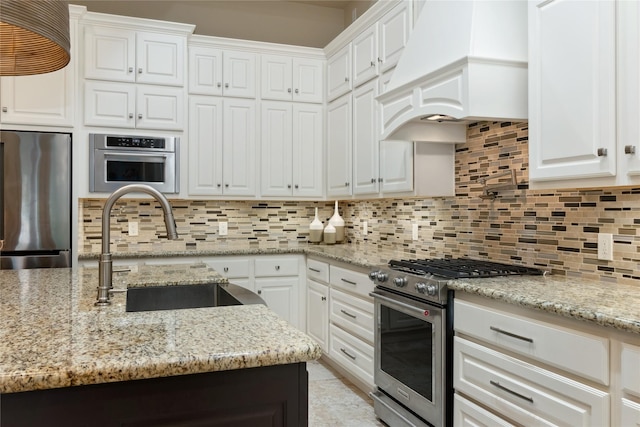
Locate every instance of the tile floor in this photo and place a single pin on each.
(335, 402)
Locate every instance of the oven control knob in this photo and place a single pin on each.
(400, 282)
(374, 275)
(423, 288)
(382, 277)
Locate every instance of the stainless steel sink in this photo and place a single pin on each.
(151, 298)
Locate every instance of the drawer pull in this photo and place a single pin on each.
(348, 281)
(351, 356)
(515, 393)
(314, 270)
(512, 335)
(346, 313)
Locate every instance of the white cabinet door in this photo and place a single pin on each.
(308, 149)
(109, 54)
(239, 74)
(277, 77)
(205, 147)
(468, 414)
(572, 96)
(308, 80)
(339, 143)
(159, 107)
(109, 104)
(365, 139)
(394, 29)
(318, 313)
(276, 154)
(160, 59)
(396, 166)
(281, 296)
(239, 147)
(121, 105)
(205, 70)
(42, 99)
(339, 73)
(365, 55)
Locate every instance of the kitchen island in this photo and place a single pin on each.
(60, 356)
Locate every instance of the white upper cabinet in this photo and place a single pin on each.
(339, 145)
(378, 48)
(572, 97)
(292, 147)
(396, 166)
(117, 54)
(339, 73)
(214, 71)
(222, 145)
(287, 78)
(365, 140)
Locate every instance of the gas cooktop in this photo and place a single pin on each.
(458, 268)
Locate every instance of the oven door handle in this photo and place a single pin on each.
(418, 312)
(134, 156)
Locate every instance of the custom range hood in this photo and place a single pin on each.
(466, 60)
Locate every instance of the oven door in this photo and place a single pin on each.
(113, 169)
(409, 354)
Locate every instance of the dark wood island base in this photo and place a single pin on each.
(253, 397)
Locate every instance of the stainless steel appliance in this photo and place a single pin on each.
(119, 160)
(35, 200)
(413, 336)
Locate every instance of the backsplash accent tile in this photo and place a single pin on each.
(553, 229)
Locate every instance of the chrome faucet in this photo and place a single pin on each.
(105, 271)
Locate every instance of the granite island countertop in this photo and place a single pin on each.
(607, 304)
(52, 336)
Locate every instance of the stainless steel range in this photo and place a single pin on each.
(413, 337)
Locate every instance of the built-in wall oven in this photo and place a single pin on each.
(118, 160)
(414, 335)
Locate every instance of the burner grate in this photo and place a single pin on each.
(459, 268)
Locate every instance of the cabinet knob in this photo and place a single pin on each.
(226, 185)
(289, 186)
(346, 184)
(629, 149)
(346, 79)
(602, 152)
(297, 91)
(259, 291)
(219, 185)
(226, 269)
(380, 179)
(131, 69)
(139, 70)
(131, 115)
(323, 299)
(296, 186)
(139, 116)
(289, 90)
(219, 84)
(226, 85)
(373, 180)
(277, 268)
(4, 109)
(373, 64)
(380, 60)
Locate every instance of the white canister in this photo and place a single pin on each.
(338, 223)
(315, 229)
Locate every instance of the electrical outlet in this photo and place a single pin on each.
(605, 246)
(222, 228)
(414, 231)
(365, 228)
(133, 228)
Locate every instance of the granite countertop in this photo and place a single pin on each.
(606, 304)
(53, 336)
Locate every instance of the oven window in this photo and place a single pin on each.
(406, 350)
(135, 171)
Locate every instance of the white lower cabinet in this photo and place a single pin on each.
(629, 402)
(278, 281)
(468, 414)
(352, 354)
(318, 313)
(236, 269)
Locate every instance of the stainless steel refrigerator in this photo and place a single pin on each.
(35, 200)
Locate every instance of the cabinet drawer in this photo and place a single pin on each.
(630, 369)
(279, 266)
(630, 413)
(231, 268)
(574, 351)
(350, 281)
(468, 414)
(523, 392)
(318, 270)
(352, 353)
(352, 314)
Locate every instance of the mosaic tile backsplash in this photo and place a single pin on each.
(556, 230)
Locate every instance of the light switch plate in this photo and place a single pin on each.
(414, 231)
(133, 228)
(365, 228)
(222, 228)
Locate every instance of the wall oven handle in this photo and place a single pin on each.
(508, 390)
(133, 156)
(510, 334)
(351, 356)
(419, 312)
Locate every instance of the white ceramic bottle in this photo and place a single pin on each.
(330, 234)
(315, 229)
(338, 223)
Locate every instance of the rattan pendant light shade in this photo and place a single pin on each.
(34, 36)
